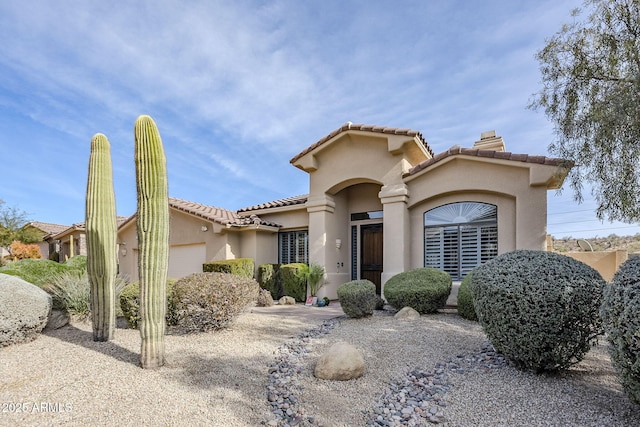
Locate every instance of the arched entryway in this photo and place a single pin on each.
(460, 236)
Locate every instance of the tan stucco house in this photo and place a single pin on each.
(380, 202)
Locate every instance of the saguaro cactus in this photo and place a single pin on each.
(153, 239)
(101, 231)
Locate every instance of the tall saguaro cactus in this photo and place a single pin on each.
(153, 239)
(101, 231)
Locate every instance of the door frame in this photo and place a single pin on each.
(357, 249)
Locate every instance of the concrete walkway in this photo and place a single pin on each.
(333, 310)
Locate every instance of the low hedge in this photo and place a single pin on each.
(243, 267)
(465, 299)
(424, 289)
(269, 279)
(292, 284)
(357, 298)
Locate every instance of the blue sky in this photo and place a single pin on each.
(238, 88)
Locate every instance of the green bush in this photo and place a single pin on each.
(210, 301)
(269, 279)
(540, 309)
(292, 284)
(71, 292)
(621, 317)
(240, 267)
(465, 299)
(78, 262)
(35, 271)
(357, 298)
(130, 304)
(423, 289)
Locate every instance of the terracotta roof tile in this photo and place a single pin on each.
(289, 201)
(368, 128)
(215, 214)
(500, 155)
(48, 227)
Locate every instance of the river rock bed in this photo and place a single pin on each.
(414, 400)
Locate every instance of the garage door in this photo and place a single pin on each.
(186, 259)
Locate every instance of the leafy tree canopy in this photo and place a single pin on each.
(12, 226)
(591, 92)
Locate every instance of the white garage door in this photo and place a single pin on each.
(186, 259)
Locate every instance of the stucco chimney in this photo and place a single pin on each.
(489, 141)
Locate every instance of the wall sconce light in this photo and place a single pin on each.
(203, 228)
(123, 251)
(338, 243)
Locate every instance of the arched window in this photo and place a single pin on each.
(460, 236)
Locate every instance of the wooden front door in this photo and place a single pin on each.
(371, 254)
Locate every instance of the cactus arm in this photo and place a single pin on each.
(153, 239)
(101, 232)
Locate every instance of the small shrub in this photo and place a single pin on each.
(465, 300)
(35, 271)
(357, 298)
(269, 278)
(130, 304)
(21, 250)
(621, 317)
(423, 289)
(292, 284)
(71, 292)
(240, 267)
(540, 309)
(379, 303)
(78, 262)
(313, 276)
(210, 301)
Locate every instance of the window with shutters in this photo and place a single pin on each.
(293, 246)
(460, 236)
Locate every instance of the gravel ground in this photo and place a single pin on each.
(221, 378)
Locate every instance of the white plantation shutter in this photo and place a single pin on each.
(460, 236)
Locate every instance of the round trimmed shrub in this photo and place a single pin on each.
(539, 309)
(621, 317)
(357, 298)
(423, 289)
(130, 304)
(209, 301)
(465, 300)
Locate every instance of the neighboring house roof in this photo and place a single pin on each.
(368, 128)
(80, 226)
(213, 214)
(499, 155)
(48, 228)
(219, 215)
(289, 201)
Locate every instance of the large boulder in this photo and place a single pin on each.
(287, 300)
(341, 362)
(264, 298)
(407, 313)
(24, 310)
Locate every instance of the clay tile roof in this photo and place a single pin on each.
(219, 215)
(289, 201)
(47, 227)
(367, 128)
(500, 155)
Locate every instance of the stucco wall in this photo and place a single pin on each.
(605, 262)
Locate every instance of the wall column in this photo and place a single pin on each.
(320, 209)
(397, 237)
